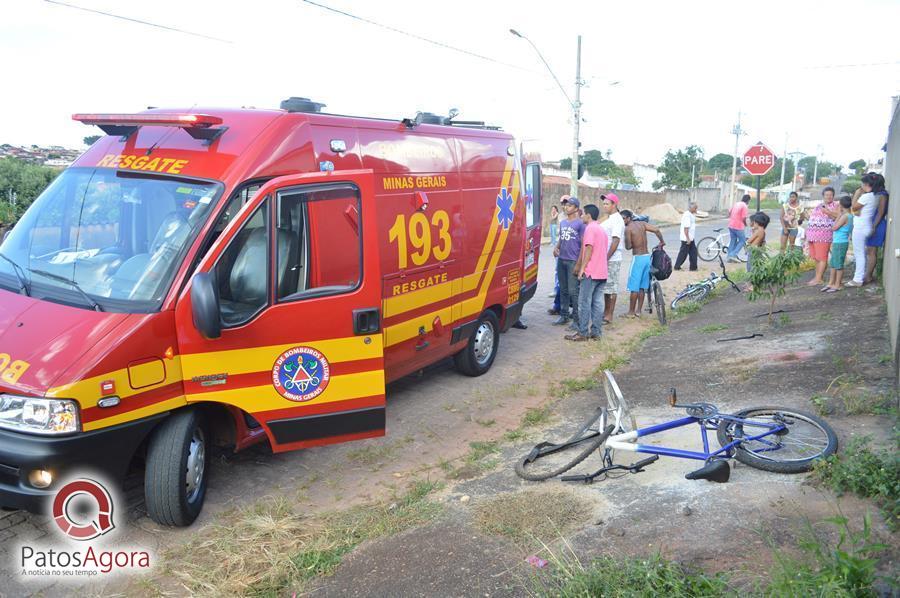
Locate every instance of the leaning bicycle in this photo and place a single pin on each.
(770, 438)
(709, 247)
(698, 291)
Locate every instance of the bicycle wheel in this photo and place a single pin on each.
(807, 439)
(552, 464)
(742, 254)
(708, 248)
(660, 300)
(693, 294)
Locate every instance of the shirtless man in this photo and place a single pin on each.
(639, 278)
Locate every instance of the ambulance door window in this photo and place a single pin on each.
(532, 194)
(242, 272)
(319, 248)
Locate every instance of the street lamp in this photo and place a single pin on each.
(575, 106)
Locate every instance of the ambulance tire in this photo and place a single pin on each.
(473, 361)
(178, 450)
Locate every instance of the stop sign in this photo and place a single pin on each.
(759, 159)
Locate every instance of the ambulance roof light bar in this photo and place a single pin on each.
(198, 126)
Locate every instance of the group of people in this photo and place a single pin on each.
(588, 255)
(830, 229)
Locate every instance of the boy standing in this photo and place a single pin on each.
(614, 227)
(567, 250)
(639, 277)
(758, 224)
(592, 272)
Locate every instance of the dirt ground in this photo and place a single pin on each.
(432, 419)
(719, 527)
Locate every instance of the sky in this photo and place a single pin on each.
(684, 69)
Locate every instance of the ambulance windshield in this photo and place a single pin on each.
(119, 237)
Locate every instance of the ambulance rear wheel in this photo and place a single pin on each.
(480, 351)
(175, 479)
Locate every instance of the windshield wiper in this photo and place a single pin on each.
(72, 283)
(19, 274)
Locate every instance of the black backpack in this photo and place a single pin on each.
(660, 264)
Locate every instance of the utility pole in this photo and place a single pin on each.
(784, 159)
(692, 175)
(576, 105)
(815, 180)
(737, 132)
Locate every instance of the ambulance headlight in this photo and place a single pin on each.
(37, 415)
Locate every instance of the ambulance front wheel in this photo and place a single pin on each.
(175, 479)
(480, 351)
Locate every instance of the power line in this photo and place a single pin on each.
(148, 23)
(415, 36)
(849, 66)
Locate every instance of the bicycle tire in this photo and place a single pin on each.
(692, 294)
(742, 254)
(660, 301)
(749, 457)
(595, 443)
(705, 251)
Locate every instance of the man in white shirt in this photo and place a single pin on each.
(614, 226)
(687, 234)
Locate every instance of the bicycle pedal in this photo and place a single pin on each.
(717, 470)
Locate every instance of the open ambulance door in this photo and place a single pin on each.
(282, 318)
(533, 212)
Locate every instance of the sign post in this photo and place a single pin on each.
(758, 160)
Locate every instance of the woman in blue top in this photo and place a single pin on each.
(879, 225)
(839, 244)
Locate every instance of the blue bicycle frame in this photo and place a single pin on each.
(624, 441)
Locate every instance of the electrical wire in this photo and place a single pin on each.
(415, 36)
(850, 66)
(132, 20)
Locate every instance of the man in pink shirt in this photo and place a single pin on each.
(592, 270)
(737, 222)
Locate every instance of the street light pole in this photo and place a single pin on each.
(575, 106)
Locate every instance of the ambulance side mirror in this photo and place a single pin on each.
(205, 305)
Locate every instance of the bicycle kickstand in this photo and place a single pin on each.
(591, 477)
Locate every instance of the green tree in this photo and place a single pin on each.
(677, 166)
(851, 184)
(769, 275)
(857, 166)
(773, 177)
(622, 175)
(825, 168)
(25, 181)
(90, 139)
(720, 162)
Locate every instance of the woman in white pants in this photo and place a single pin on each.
(862, 228)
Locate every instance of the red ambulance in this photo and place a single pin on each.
(232, 276)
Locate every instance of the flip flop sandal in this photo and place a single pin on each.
(831, 290)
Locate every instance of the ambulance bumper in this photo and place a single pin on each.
(106, 451)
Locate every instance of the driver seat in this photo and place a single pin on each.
(247, 281)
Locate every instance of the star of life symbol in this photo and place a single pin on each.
(504, 205)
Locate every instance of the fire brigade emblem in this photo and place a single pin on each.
(300, 374)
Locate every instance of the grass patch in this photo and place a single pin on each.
(826, 568)
(536, 416)
(485, 423)
(712, 328)
(654, 330)
(687, 308)
(269, 549)
(886, 358)
(514, 435)
(822, 405)
(481, 449)
(784, 320)
(866, 472)
(865, 403)
(607, 576)
(532, 515)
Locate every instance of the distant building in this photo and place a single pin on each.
(646, 174)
